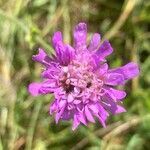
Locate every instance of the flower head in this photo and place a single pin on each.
(80, 79)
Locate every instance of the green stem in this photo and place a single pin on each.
(32, 125)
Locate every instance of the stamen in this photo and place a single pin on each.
(89, 84)
(69, 88)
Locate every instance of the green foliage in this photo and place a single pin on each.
(26, 25)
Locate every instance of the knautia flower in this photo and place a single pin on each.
(80, 79)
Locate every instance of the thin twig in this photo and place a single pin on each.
(53, 21)
(111, 131)
(121, 20)
(122, 128)
(32, 125)
(100, 133)
(128, 125)
(19, 143)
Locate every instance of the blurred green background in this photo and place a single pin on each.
(26, 25)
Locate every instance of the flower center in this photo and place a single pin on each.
(89, 84)
(69, 88)
(79, 75)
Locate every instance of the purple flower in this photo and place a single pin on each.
(80, 79)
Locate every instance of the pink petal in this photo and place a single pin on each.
(42, 57)
(53, 107)
(111, 106)
(67, 115)
(34, 88)
(77, 102)
(128, 71)
(103, 68)
(94, 108)
(100, 112)
(59, 114)
(70, 98)
(65, 53)
(114, 79)
(94, 43)
(57, 37)
(89, 115)
(76, 122)
(119, 109)
(104, 50)
(101, 120)
(80, 34)
(116, 94)
(82, 118)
